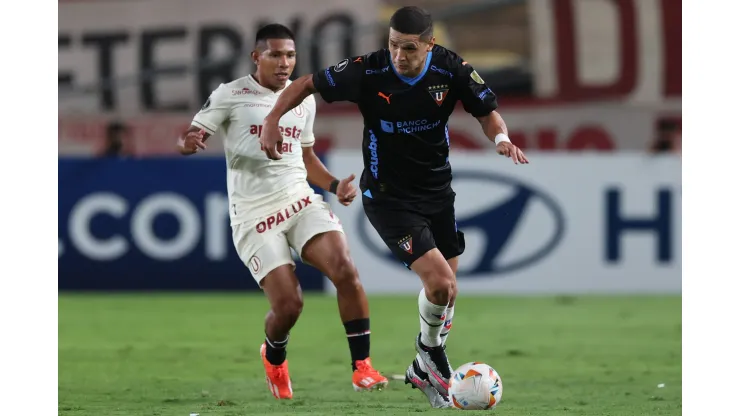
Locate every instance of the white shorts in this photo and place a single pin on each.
(264, 244)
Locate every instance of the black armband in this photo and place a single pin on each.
(333, 186)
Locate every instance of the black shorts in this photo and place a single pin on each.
(409, 232)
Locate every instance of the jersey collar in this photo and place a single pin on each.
(414, 80)
(260, 88)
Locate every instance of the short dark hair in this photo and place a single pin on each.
(413, 20)
(273, 31)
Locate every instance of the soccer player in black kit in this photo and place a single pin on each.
(406, 94)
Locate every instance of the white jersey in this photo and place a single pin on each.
(258, 186)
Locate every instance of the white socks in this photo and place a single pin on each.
(432, 318)
(447, 324)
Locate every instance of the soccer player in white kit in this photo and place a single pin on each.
(272, 208)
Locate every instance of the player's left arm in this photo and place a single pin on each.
(317, 173)
(495, 129)
(481, 103)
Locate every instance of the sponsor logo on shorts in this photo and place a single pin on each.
(255, 264)
(284, 214)
(406, 244)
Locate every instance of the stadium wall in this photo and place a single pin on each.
(591, 223)
(603, 126)
(562, 224)
(127, 58)
(150, 224)
(605, 74)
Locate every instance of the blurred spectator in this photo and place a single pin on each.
(668, 139)
(117, 140)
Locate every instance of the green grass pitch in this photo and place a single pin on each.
(180, 354)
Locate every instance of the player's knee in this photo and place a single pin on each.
(442, 288)
(344, 273)
(289, 308)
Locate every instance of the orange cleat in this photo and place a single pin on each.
(277, 377)
(366, 377)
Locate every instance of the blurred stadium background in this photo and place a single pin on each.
(591, 89)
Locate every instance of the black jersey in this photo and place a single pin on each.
(406, 139)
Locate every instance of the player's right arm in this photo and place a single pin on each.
(341, 82)
(214, 112)
(192, 140)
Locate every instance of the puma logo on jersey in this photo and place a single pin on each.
(292, 132)
(386, 97)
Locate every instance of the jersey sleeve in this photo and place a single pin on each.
(477, 98)
(307, 137)
(341, 82)
(214, 112)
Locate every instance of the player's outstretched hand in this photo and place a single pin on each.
(192, 142)
(510, 150)
(346, 191)
(271, 140)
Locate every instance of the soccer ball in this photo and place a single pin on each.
(475, 386)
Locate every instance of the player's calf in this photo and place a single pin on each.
(343, 274)
(354, 311)
(429, 344)
(353, 303)
(330, 254)
(440, 287)
(283, 315)
(439, 290)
